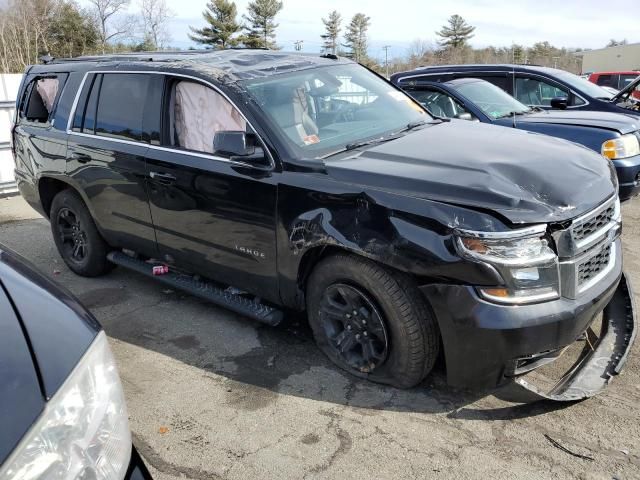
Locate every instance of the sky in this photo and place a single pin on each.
(568, 23)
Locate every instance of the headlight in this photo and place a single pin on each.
(524, 259)
(622, 147)
(83, 432)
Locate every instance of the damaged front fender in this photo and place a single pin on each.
(389, 230)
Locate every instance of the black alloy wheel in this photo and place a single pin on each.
(72, 235)
(354, 327)
(76, 236)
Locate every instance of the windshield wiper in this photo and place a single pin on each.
(375, 141)
(353, 146)
(510, 114)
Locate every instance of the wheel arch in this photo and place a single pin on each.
(49, 187)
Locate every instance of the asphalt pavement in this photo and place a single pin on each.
(212, 395)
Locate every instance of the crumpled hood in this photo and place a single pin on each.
(618, 122)
(523, 176)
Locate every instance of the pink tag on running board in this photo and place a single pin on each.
(160, 269)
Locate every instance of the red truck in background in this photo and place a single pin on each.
(616, 80)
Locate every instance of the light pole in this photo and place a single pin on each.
(386, 58)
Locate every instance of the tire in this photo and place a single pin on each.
(75, 234)
(387, 298)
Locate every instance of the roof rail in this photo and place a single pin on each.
(157, 56)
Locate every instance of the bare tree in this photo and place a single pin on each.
(155, 16)
(105, 11)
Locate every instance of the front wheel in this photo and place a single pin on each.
(76, 236)
(372, 322)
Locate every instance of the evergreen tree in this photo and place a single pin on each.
(220, 16)
(261, 26)
(72, 32)
(356, 37)
(456, 34)
(332, 32)
(517, 53)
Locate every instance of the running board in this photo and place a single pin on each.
(604, 362)
(203, 289)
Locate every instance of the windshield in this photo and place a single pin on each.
(584, 86)
(492, 100)
(327, 109)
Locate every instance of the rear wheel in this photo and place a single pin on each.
(75, 234)
(372, 322)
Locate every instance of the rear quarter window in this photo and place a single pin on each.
(40, 97)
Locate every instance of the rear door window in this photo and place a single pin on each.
(120, 105)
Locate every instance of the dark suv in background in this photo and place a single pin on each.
(309, 183)
(615, 136)
(61, 403)
(534, 86)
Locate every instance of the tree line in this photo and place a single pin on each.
(30, 29)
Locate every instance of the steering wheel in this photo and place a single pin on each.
(435, 109)
(345, 114)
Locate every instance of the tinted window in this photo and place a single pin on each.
(532, 91)
(89, 125)
(607, 81)
(626, 80)
(121, 105)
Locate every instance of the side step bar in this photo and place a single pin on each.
(203, 289)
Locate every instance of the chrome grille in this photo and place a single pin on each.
(587, 248)
(589, 226)
(593, 266)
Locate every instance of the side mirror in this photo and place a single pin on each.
(464, 116)
(560, 103)
(239, 146)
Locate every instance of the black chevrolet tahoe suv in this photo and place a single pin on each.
(61, 402)
(267, 181)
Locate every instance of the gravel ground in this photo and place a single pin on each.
(212, 395)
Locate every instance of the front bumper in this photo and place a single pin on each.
(482, 341)
(628, 172)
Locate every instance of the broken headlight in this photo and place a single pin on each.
(524, 259)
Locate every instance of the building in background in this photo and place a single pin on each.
(619, 58)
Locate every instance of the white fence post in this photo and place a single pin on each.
(9, 85)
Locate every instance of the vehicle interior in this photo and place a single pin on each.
(324, 108)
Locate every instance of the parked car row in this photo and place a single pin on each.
(606, 123)
(309, 183)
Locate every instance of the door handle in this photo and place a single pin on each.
(80, 157)
(164, 178)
